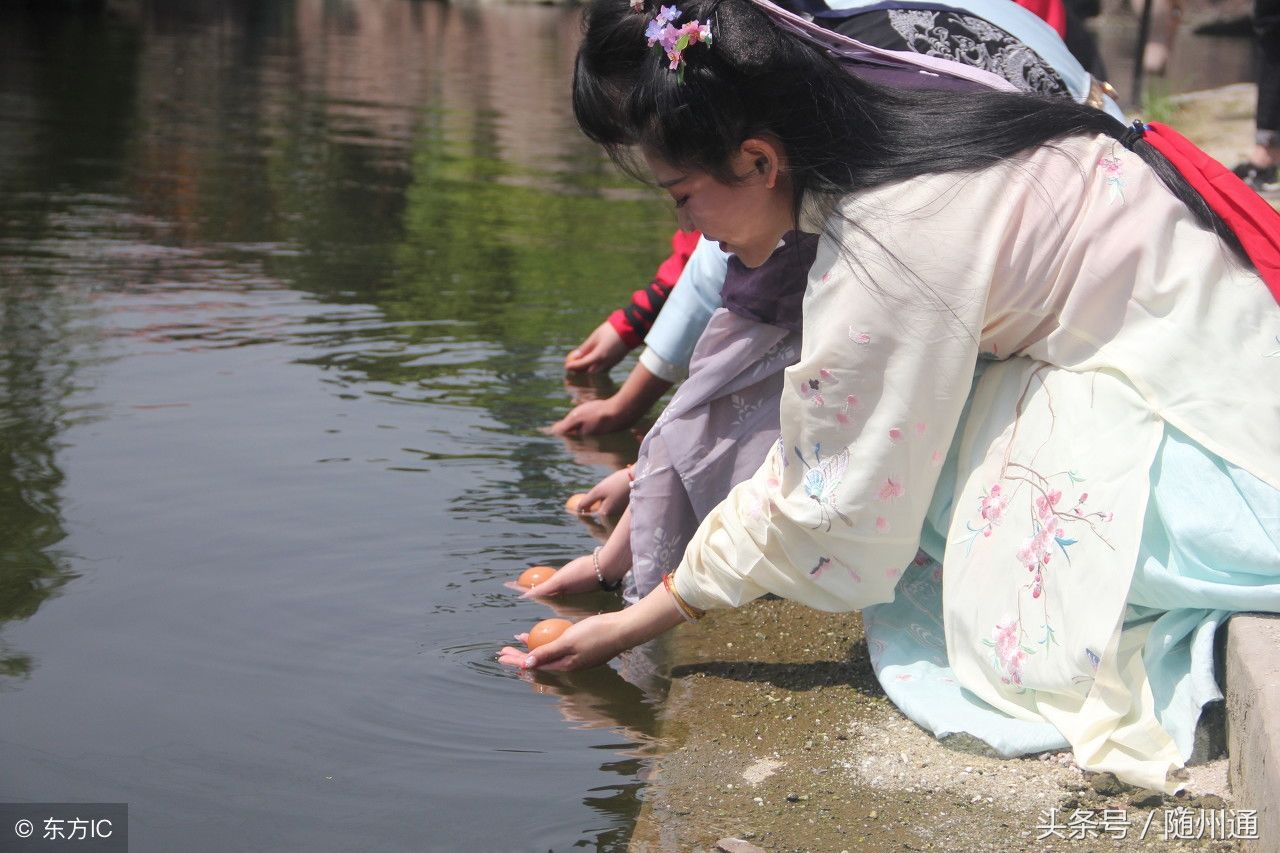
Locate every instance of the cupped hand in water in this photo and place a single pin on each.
(601, 350)
(590, 418)
(611, 495)
(577, 575)
(588, 643)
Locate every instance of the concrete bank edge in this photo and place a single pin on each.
(1253, 719)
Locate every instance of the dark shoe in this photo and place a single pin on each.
(1259, 178)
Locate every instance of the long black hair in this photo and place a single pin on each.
(840, 133)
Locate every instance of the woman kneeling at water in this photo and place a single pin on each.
(1030, 351)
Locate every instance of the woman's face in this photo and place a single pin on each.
(747, 218)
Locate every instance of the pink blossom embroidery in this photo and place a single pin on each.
(993, 504)
(1009, 654)
(1113, 177)
(895, 435)
(892, 573)
(882, 524)
(861, 338)
(921, 428)
(811, 389)
(1049, 523)
(936, 458)
(991, 507)
(850, 403)
(891, 490)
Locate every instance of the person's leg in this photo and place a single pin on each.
(1165, 17)
(1260, 168)
(1267, 27)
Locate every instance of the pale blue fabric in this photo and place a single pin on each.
(693, 300)
(1210, 548)
(1022, 24)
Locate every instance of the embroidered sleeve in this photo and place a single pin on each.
(891, 330)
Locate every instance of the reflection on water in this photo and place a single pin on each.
(35, 381)
(285, 288)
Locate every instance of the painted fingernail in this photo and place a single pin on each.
(529, 662)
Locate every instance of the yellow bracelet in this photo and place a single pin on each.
(687, 610)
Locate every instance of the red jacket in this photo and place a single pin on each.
(633, 322)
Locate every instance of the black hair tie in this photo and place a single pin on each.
(1133, 133)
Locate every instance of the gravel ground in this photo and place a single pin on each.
(776, 733)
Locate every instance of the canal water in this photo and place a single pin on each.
(285, 288)
(284, 292)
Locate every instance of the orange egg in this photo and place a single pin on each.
(546, 631)
(535, 575)
(574, 504)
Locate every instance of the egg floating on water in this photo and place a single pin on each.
(546, 631)
(535, 575)
(574, 504)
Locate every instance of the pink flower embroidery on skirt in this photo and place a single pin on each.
(891, 490)
(1009, 653)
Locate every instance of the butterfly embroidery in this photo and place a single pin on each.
(822, 479)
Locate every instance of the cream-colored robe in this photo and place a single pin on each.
(1107, 312)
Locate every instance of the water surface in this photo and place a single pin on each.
(284, 290)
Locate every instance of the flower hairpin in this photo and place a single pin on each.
(672, 40)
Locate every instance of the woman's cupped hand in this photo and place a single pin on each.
(585, 644)
(575, 576)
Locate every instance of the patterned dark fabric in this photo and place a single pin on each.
(960, 38)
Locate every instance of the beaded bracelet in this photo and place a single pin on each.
(595, 563)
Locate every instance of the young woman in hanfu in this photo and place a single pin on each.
(722, 422)
(1030, 350)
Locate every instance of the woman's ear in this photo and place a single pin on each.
(761, 157)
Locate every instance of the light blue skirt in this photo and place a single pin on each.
(1210, 548)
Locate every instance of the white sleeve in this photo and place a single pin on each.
(892, 322)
